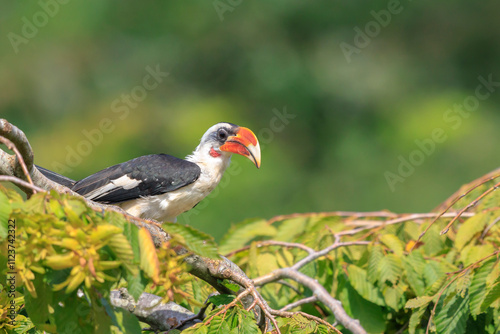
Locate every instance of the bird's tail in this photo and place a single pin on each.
(58, 178)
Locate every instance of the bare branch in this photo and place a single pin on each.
(20, 160)
(18, 138)
(151, 310)
(273, 243)
(300, 302)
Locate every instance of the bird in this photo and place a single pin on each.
(161, 186)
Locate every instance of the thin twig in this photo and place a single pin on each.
(16, 180)
(300, 302)
(470, 205)
(272, 243)
(486, 230)
(382, 214)
(457, 198)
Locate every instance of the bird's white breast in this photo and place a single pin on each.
(168, 206)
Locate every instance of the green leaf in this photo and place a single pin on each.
(418, 302)
(393, 296)
(433, 275)
(491, 297)
(433, 241)
(369, 314)
(414, 265)
(247, 324)
(452, 317)
(478, 286)
(359, 281)
(374, 259)
(393, 242)
(136, 285)
(416, 319)
(38, 308)
(195, 240)
(5, 211)
(290, 229)
(470, 228)
(218, 300)
(126, 322)
(231, 286)
(390, 269)
(218, 326)
(462, 283)
(243, 233)
(71, 315)
(123, 251)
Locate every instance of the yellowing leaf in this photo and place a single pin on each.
(104, 231)
(149, 258)
(418, 302)
(61, 261)
(75, 281)
(393, 242)
(470, 228)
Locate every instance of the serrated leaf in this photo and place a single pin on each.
(289, 229)
(218, 300)
(477, 289)
(243, 233)
(149, 258)
(359, 281)
(120, 246)
(246, 323)
(374, 259)
(135, 285)
(492, 296)
(218, 326)
(462, 283)
(452, 317)
(414, 265)
(195, 240)
(473, 253)
(433, 241)
(390, 268)
(393, 243)
(415, 319)
(470, 228)
(431, 273)
(418, 302)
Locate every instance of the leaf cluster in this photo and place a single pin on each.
(68, 257)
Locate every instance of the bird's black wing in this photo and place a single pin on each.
(58, 178)
(144, 176)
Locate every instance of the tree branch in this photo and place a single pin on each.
(151, 310)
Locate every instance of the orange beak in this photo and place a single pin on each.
(244, 143)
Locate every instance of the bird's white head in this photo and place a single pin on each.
(224, 139)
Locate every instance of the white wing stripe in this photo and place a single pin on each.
(122, 182)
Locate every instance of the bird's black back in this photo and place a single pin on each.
(158, 174)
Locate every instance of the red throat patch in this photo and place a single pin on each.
(214, 153)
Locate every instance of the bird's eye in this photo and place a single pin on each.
(222, 134)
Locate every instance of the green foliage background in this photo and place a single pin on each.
(450, 283)
(353, 120)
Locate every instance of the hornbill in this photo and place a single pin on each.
(161, 186)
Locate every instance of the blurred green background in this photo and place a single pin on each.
(65, 67)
